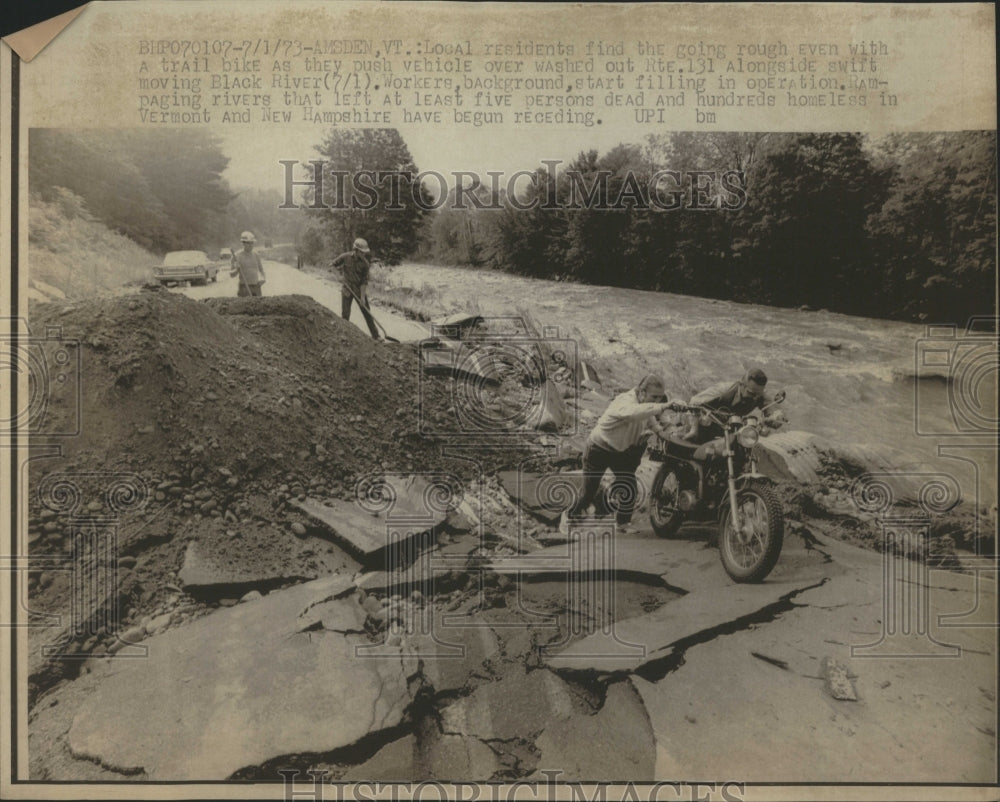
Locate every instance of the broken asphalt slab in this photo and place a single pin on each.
(238, 688)
(408, 507)
(683, 563)
(538, 493)
(656, 635)
(517, 706)
(766, 690)
(204, 572)
(596, 548)
(615, 742)
(803, 457)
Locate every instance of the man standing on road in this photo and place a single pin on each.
(355, 265)
(248, 266)
(617, 443)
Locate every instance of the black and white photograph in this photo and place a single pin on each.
(500, 401)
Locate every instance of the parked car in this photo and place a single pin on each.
(193, 266)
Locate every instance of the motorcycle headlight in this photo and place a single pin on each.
(748, 436)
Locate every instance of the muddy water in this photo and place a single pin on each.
(850, 379)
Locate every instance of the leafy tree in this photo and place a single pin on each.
(805, 223)
(161, 188)
(530, 237)
(936, 232)
(394, 223)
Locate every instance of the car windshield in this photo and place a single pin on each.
(177, 258)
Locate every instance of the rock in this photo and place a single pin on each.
(838, 682)
(298, 529)
(643, 638)
(126, 638)
(126, 562)
(553, 413)
(208, 506)
(476, 646)
(344, 615)
(253, 595)
(158, 624)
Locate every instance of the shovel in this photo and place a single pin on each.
(381, 328)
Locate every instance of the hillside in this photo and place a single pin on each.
(72, 255)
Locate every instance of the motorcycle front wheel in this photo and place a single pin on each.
(664, 515)
(750, 555)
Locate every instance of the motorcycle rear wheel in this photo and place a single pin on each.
(752, 555)
(664, 515)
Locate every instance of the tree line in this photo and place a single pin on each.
(903, 226)
(163, 189)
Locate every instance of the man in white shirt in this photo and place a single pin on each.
(617, 443)
(248, 266)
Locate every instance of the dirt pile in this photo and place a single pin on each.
(250, 385)
(198, 422)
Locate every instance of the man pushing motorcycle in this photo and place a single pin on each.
(617, 443)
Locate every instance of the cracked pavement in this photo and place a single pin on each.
(532, 663)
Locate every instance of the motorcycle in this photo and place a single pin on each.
(719, 481)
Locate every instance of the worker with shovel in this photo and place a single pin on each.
(354, 266)
(247, 265)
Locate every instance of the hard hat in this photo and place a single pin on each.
(361, 245)
(247, 236)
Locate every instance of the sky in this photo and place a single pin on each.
(255, 152)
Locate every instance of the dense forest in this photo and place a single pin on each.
(903, 226)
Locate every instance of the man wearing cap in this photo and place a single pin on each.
(617, 443)
(354, 266)
(740, 398)
(248, 266)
